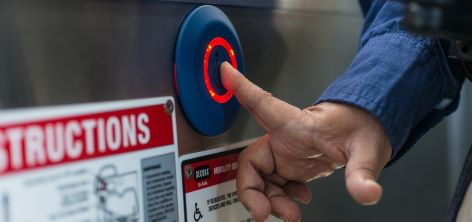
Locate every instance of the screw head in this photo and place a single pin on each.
(169, 107)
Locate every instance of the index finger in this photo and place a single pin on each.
(270, 112)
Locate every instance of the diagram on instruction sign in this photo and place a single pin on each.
(117, 195)
(5, 208)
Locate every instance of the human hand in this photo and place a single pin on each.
(302, 145)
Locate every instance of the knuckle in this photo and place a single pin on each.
(337, 151)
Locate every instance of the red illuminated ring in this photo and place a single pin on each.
(217, 41)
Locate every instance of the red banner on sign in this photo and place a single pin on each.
(210, 172)
(54, 141)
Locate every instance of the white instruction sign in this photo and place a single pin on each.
(100, 162)
(209, 186)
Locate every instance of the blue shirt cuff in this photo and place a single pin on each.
(399, 78)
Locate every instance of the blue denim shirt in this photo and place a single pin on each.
(402, 79)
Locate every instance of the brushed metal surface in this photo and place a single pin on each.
(65, 52)
(88, 51)
(319, 6)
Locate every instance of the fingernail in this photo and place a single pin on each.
(371, 183)
(370, 203)
(301, 201)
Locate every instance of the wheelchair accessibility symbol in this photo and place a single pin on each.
(197, 215)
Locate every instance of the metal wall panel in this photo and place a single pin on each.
(64, 52)
(459, 127)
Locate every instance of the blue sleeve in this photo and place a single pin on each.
(402, 79)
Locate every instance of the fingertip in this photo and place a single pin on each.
(364, 191)
(256, 204)
(299, 191)
(256, 218)
(226, 70)
(309, 197)
(226, 65)
(373, 193)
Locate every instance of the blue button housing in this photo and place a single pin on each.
(200, 27)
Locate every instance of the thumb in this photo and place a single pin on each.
(362, 170)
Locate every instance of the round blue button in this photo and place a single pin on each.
(205, 40)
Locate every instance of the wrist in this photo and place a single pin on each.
(349, 124)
